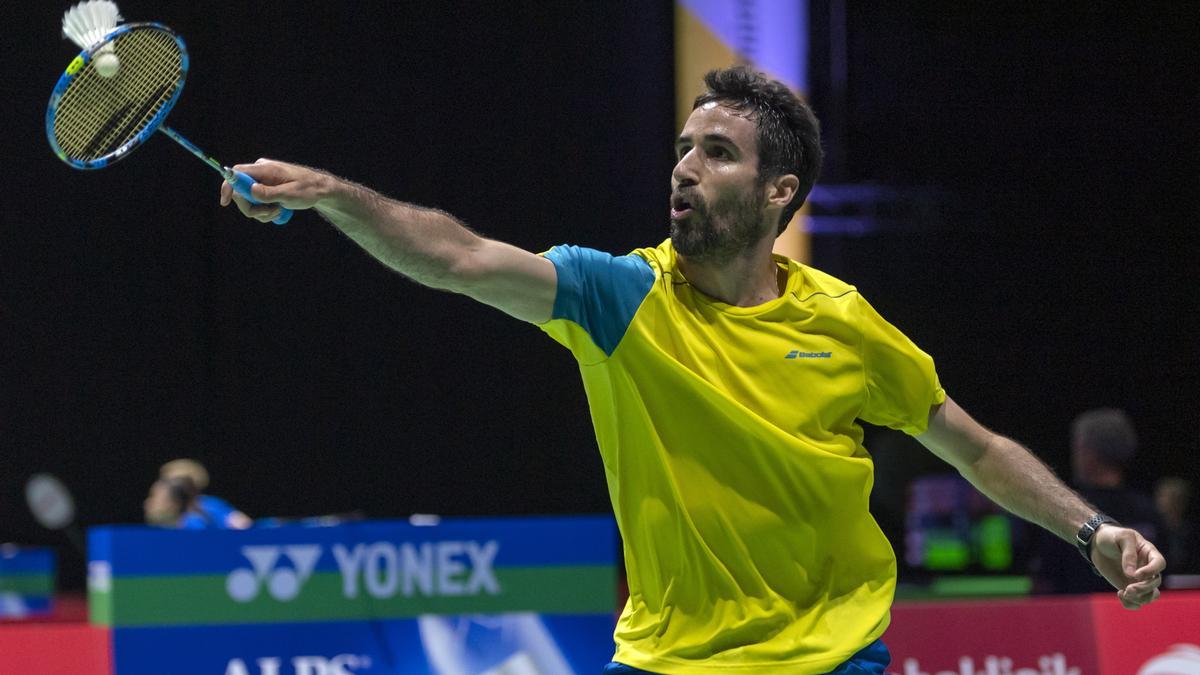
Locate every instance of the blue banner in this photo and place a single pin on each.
(505, 644)
(482, 596)
(26, 581)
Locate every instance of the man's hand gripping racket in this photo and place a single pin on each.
(276, 185)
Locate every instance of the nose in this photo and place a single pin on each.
(685, 174)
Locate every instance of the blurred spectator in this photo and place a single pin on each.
(1180, 539)
(1103, 443)
(220, 513)
(172, 503)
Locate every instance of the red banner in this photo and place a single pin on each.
(1085, 635)
(1162, 639)
(55, 649)
(1081, 635)
(999, 637)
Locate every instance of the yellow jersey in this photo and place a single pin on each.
(734, 458)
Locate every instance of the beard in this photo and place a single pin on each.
(732, 226)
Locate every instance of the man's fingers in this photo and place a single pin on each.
(269, 216)
(1155, 563)
(1136, 599)
(279, 183)
(1143, 587)
(1127, 543)
(241, 203)
(265, 193)
(265, 171)
(1141, 563)
(1127, 601)
(261, 212)
(267, 174)
(276, 185)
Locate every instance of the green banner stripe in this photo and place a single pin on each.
(100, 608)
(141, 601)
(27, 584)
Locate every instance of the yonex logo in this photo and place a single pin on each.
(797, 354)
(283, 583)
(446, 568)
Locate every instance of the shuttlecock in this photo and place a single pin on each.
(86, 24)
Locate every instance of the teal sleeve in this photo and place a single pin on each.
(599, 292)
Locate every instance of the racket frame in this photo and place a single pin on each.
(76, 66)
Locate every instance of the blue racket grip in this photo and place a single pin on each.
(242, 182)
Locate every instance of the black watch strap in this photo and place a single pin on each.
(1083, 540)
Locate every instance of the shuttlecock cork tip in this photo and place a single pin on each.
(107, 64)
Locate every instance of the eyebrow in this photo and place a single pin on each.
(720, 138)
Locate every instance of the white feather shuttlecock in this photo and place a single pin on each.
(86, 24)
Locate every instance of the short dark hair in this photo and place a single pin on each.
(789, 136)
(1108, 432)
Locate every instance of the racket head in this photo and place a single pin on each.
(93, 121)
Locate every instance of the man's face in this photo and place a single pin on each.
(717, 203)
(159, 508)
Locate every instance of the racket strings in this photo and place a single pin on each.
(98, 115)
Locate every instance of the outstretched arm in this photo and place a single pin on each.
(426, 245)
(1015, 479)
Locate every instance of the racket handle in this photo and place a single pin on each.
(241, 183)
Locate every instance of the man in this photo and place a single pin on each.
(1103, 442)
(171, 502)
(209, 509)
(725, 384)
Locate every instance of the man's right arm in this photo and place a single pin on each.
(426, 245)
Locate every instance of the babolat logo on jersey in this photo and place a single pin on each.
(797, 354)
(283, 582)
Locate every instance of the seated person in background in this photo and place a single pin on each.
(1180, 538)
(216, 510)
(1103, 443)
(172, 503)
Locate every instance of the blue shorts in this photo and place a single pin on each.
(870, 660)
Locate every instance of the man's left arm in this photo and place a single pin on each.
(1014, 478)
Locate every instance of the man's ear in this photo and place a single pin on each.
(782, 189)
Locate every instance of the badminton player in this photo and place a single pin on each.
(726, 386)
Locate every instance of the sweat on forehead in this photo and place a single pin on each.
(743, 109)
(733, 108)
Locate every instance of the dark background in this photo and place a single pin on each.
(139, 322)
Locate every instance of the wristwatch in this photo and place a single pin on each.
(1083, 540)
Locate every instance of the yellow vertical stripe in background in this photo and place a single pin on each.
(698, 49)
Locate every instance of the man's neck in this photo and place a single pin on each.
(749, 279)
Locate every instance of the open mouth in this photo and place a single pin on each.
(680, 207)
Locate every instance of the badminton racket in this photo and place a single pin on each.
(94, 120)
